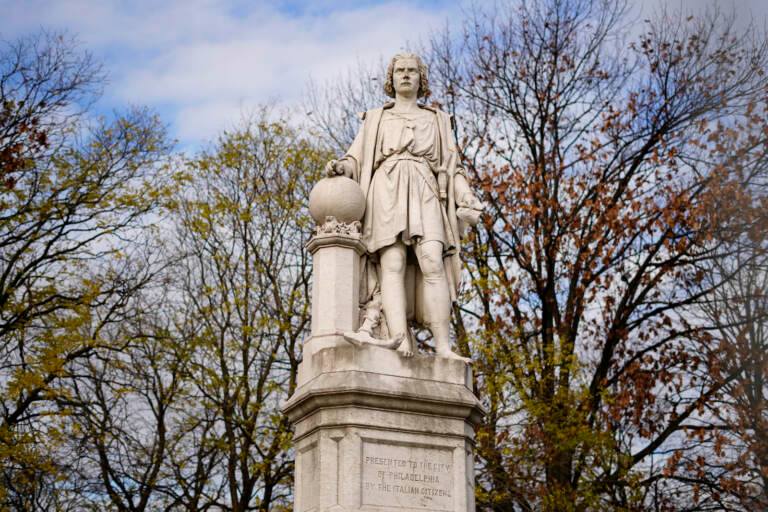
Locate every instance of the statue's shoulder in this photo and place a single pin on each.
(444, 116)
(434, 109)
(374, 113)
(437, 112)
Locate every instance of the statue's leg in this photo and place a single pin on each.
(393, 300)
(437, 296)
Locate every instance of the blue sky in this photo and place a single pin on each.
(201, 64)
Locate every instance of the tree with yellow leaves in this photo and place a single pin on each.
(243, 279)
(73, 193)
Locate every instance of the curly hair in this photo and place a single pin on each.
(389, 87)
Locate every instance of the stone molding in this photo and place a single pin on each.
(383, 392)
(335, 227)
(320, 241)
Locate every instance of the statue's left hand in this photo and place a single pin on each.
(469, 200)
(470, 208)
(464, 196)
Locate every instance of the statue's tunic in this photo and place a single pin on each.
(403, 201)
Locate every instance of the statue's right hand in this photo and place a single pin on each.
(338, 168)
(330, 169)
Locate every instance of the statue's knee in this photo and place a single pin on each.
(393, 263)
(431, 266)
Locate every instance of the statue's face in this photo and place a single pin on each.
(405, 76)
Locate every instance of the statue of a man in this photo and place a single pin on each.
(417, 200)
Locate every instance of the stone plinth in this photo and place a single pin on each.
(376, 431)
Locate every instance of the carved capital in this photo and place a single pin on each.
(334, 227)
(333, 233)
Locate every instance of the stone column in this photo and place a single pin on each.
(336, 249)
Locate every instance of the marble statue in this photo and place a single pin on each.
(417, 203)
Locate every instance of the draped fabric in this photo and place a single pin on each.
(403, 201)
(399, 155)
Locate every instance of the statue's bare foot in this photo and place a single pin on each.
(450, 354)
(406, 347)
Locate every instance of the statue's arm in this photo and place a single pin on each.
(349, 164)
(470, 207)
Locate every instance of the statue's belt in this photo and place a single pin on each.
(425, 170)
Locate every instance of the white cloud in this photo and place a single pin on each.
(204, 61)
(271, 57)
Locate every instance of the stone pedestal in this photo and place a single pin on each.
(375, 431)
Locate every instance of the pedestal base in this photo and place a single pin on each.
(376, 431)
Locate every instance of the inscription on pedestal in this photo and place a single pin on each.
(407, 476)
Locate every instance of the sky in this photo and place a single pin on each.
(202, 64)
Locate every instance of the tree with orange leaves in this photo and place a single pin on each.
(609, 172)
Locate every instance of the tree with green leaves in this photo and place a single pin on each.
(74, 193)
(243, 278)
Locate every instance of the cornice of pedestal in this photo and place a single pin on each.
(336, 240)
(376, 379)
(386, 393)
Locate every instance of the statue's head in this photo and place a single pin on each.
(389, 87)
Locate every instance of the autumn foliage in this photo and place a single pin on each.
(615, 178)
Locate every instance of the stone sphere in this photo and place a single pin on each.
(338, 197)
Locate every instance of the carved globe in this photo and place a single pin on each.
(338, 197)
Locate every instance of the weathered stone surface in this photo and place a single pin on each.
(407, 475)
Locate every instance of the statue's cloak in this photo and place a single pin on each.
(363, 153)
